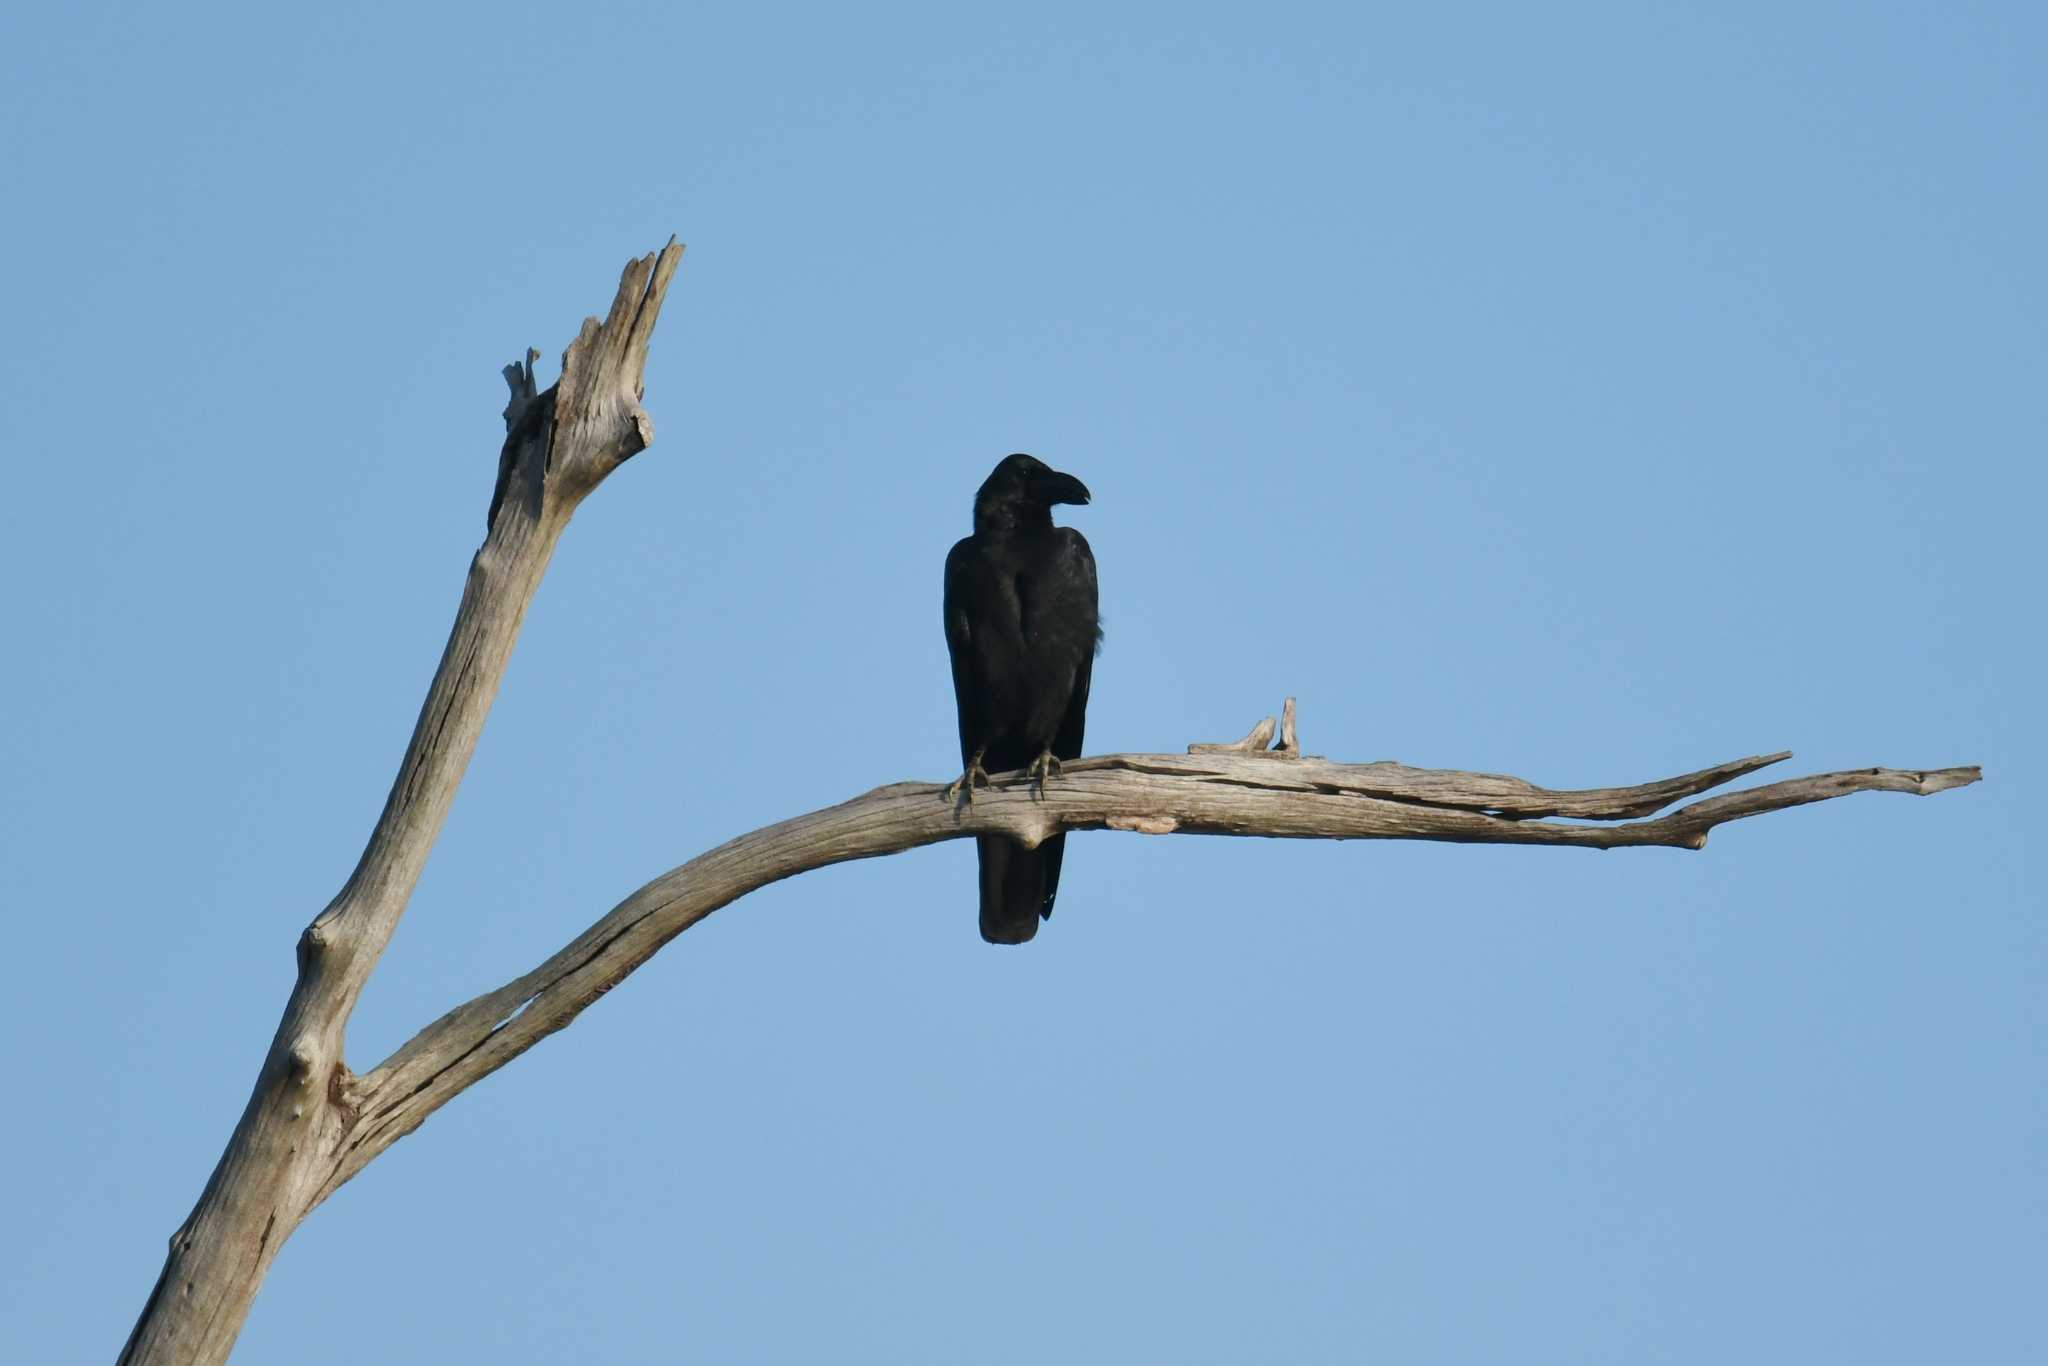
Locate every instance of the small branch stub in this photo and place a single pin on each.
(1259, 737)
(1254, 741)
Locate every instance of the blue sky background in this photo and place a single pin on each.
(1589, 392)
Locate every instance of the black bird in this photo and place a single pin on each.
(1021, 626)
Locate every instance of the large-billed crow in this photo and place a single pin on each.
(1021, 626)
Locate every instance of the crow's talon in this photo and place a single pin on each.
(975, 776)
(1045, 767)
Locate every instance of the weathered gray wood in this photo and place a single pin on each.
(302, 1112)
(1257, 738)
(1214, 793)
(1255, 741)
(311, 1123)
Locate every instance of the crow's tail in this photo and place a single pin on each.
(1017, 886)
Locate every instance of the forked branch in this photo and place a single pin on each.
(559, 444)
(311, 1123)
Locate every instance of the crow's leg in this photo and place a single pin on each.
(975, 776)
(1044, 767)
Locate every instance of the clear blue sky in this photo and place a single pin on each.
(1589, 392)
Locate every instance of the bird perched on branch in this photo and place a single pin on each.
(1022, 628)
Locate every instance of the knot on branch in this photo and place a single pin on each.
(300, 1060)
(1144, 825)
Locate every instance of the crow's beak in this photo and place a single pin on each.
(1063, 488)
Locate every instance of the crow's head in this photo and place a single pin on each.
(1022, 487)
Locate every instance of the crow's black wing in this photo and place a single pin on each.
(968, 695)
(984, 636)
(1075, 569)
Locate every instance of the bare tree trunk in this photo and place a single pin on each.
(559, 445)
(311, 1123)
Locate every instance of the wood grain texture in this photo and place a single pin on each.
(311, 1123)
(1213, 793)
(559, 445)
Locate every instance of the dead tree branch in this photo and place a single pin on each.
(559, 445)
(1209, 793)
(311, 1123)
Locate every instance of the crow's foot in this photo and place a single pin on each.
(1046, 766)
(975, 776)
